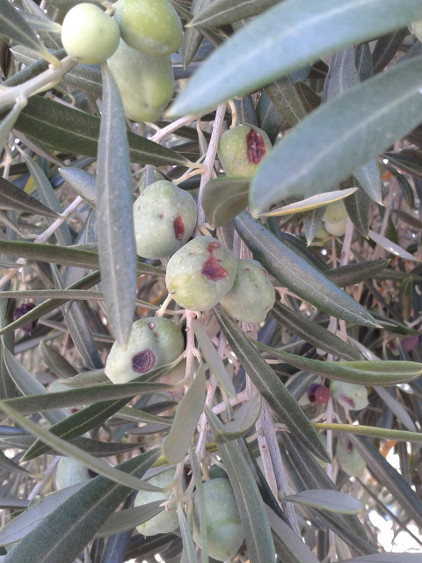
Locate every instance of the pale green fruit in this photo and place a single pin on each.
(70, 472)
(334, 212)
(224, 529)
(241, 149)
(350, 395)
(336, 228)
(174, 377)
(165, 521)
(150, 26)
(89, 34)
(200, 273)
(146, 84)
(252, 294)
(164, 218)
(349, 459)
(153, 342)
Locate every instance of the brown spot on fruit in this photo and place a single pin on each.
(143, 361)
(255, 148)
(348, 400)
(211, 268)
(179, 228)
(22, 310)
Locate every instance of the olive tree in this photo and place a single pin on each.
(210, 282)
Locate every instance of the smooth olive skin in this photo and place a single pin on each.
(70, 472)
(153, 27)
(153, 342)
(166, 521)
(224, 529)
(200, 273)
(335, 218)
(146, 84)
(89, 34)
(241, 150)
(252, 294)
(164, 218)
(349, 459)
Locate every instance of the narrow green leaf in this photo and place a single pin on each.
(14, 26)
(294, 272)
(189, 551)
(268, 117)
(65, 129)
(386, 558)
(212, 358)
(373, 431)
(369, 179)
(243, 421)
(358, 207)
(127, 519)
(313, 333)
(223, 198)
(342, 139)
(357, 273)
(82, 182)
(16, 199)
(362, 372)
(67, 449)
(116, 239)
(221, 12)
(81, 516)
(186, 419)
(312, 220)
(9, 120)
(192, 37)
(271, 387)
(286, 99)
(252, 510)
(391, 247)
(272, 45)
(333, 501)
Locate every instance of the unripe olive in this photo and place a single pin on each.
(224, 529)
(241, 149)
(70, 472)
(349, 459)
(335, 218)
(165, 521)
(151, 26)
(153, 342)
(252, 294)
(164, 218)
(318, 393)
(351, 395)
(89, 34)
(146, 84)
(200, 273)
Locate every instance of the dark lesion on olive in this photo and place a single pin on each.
(212, 269)
(179, 228)
(143, 361)
(255, 148)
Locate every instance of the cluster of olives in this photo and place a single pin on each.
(136, 43)
(202, 272)
(222, 520)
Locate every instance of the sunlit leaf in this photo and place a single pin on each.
(334, 501)
(391, 247)
(243, 421)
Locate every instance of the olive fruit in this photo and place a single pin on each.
(335, 218)
(89, 34)
(200, 273)
(318, 393)
(164, 218)
(153, 342)
(167, 520)
(252, 294)
(349, 459)
(152, 27)
(222, 520)
(350, 395)
(241, 149)
(146, 84)
(70, 472)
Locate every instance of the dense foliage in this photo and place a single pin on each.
(210, 281)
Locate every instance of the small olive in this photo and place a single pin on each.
(89, 34)
(349, 459)
(350, 395)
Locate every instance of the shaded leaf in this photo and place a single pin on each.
(243, 421)
(350, 274)
(9, 120)
(333, 501)
(116, 239)
(129, 518)
(82, 182)
(391, 247)
(287, 172)
(270, 386)
(375, 432)
(223, 198)
(272, 45)
(14, 198)
(358, 207)
(286, 100)
(221, 12)
(294, 272)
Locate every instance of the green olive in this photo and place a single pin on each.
(350, 395)
(335, 218)
(153, 342)
(222, 520)
(89, 34)
(252, 294)
(241, 149)
(146, 84)
(349, 459)
(200, 273)
(150, 26)
(70, 472)
(164, 218)
(164, 522)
